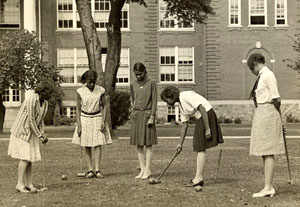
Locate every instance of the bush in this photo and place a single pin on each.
(228, 120)
(120, 108)
(160, 120)
(65, 121)
(237, 120)
(292, 119)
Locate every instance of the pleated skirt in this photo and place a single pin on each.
(200, 143)
(141, 134)
(266, 131)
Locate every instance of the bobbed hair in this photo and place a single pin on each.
(139, 67)
(255, 57)
(44, 86)
(169, 92)
(89, 74)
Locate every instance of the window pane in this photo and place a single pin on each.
(9, 13)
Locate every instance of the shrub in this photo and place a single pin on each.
(237, 120)
(292, 119)
(220, 119)
(120, 108)
(160, 120)
(65, 121)
(228, 120)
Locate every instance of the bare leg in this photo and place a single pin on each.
(269, 164)
(98, 154)
(149, 152)
(28, 175)
(201, 157)
(88, 153)
(21, 172)
(141, 157)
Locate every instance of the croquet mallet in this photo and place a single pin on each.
(81, 174)
(157, 181)
(290, 180)
(44, 188)
(218, 165)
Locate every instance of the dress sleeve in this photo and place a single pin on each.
(272, 86)
(154, 98)
(31, 115)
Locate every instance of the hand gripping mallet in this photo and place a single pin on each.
(81, 174)
(153, 181)
(290, 180)
(44, 188)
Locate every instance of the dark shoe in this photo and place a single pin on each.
(90, 174)
(192, 184)
(98, 174)
(31, 188)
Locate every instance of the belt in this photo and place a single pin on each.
(142, 109)
(92, 113)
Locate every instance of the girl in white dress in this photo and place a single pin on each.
(91, 130)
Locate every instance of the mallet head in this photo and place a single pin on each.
(152, 181)
(43, 189)
(80, 174)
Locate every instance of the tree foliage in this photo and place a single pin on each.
(21, 66)
(295, 64)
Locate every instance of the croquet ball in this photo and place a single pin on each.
(64, 177)
(198, 188)
(151, 181)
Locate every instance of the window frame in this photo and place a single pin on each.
(11, 102)
(239, 14)
(176, 81)
(285, 15)
(75, 66)
(75, 14)
(265, 15)
(19, 23)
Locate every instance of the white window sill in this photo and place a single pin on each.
(177, 83)
(258, 27)
(281, 27)
(176, 29)
(79, 29)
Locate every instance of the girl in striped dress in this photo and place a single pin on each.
(26, 132)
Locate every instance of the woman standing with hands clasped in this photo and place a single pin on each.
(91, 130)
(207, 132)
(266, 131)
(26, 132)
(143, 131)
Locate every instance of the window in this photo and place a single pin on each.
(9, 14)
(170, 22)
(63, 111)
(74, 62)
(258, 12)
(234, 12)
(72, 112)
(173, 114)
(68, 16)
(123, 72)
(176, 64)
(12, 97)
(281, 12)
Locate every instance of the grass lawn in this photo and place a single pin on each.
(240, 175)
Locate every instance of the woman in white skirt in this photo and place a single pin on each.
(266, 132)
(91, 130)
(26, 132)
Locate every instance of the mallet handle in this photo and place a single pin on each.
(167, 166)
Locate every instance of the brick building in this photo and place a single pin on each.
(210, 59)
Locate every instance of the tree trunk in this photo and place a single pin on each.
(93, 46)
(92, 42)
(2, 114)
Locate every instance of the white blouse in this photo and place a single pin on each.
(189, 102)
(267, 88)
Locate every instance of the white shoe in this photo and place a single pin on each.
(263, 193)
(139, 175)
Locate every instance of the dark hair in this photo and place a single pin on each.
(44, 86)
(169, 92)
(255, 57)
(139, 67)
(89, 74)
